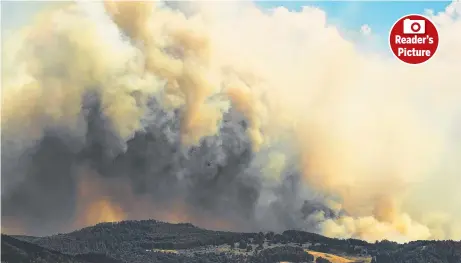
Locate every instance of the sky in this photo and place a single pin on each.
(376, 17)
(348, 15)
(351, 15)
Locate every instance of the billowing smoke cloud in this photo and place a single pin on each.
(228, 117)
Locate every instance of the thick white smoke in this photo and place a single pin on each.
(377, 137)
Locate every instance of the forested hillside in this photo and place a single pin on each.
(153, 241)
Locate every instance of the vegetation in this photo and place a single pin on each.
(17, 251)
(153, 241)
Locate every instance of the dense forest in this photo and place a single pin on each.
(153, 241)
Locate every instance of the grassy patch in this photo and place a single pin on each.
(339, 259)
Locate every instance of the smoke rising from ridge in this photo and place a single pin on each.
(229, 117)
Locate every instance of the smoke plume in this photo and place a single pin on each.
(229, 117)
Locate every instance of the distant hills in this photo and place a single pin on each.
(154, 241)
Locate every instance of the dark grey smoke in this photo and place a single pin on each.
(217, 179)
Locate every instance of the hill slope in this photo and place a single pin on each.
(153, 241)
(19, 251)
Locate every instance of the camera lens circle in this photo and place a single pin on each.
(415, 27)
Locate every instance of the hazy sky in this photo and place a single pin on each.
(349, 15)
(379, 15)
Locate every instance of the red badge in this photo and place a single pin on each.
(414, 39)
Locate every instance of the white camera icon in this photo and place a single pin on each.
(411, 26)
